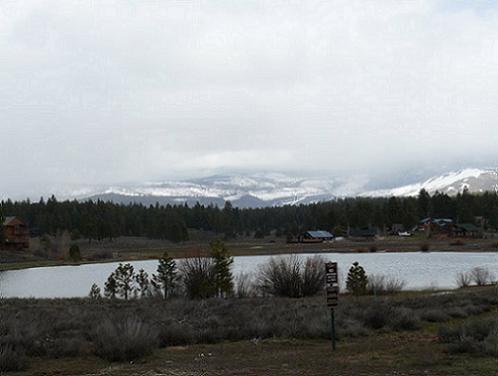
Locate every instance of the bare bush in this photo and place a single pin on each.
(383, 285)
(481, 276)
(463, 279)
(198, 277)
(127, 339)
(281, 276)
(244, 285)
(291, 277)
(313, 276)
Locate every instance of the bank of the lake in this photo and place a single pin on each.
(125, 249)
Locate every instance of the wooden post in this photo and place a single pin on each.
(332, 321)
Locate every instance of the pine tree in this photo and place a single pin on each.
(95, 292)
(142, 279)
(124, 276)
(222, 273)
(166, 278)
(111, 287)
(357, 280)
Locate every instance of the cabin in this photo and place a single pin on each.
(317, 236)
(16, 233)
(467, 230)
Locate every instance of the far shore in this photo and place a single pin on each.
(138, 249)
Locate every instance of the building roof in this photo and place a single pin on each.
(469, 227)
(7, 220)
(320, 234)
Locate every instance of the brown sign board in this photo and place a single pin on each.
(332, 284)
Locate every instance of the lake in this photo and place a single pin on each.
(419, 269)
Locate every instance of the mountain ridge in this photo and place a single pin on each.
(275, 189)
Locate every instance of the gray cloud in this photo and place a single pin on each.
(103, 92)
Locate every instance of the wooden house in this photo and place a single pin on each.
(315, 236)
(16, 233)
(468, 230)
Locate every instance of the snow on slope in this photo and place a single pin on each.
(273, 189)
(475, 180)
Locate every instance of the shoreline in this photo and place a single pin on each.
(126, 256)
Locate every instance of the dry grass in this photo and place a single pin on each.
(124, 330)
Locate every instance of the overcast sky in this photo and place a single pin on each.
(106, 92)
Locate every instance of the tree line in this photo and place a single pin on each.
(98, 220)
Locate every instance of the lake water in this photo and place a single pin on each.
(420, 270)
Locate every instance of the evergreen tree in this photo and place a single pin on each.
(124, 276)
(95, 292)
(166, 278)
(424, 204)
(142, 279)
(111, 287)
(222, 274)
(357, 280)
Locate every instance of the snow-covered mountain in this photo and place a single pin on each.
(256, 190)
(259, 190)
(451, 183)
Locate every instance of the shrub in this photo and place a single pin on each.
(376, 317)
(425, 247)
(281, 276)
(244, 286)
(448, 333)
(386, 315)
(313, 276)
(291, 277)
(481, 276)
(473, 336)
(463, 279)
(404, 319)
(381, 285)
(198, 277)
(434, 315)
(173, 333)
(128, 339)
(10, 359)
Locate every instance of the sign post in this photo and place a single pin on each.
(332, 288)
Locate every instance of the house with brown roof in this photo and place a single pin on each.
(16, 233)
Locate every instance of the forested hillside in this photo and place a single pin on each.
(100, 220)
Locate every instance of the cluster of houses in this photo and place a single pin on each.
(440, 226)
(15, 233)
